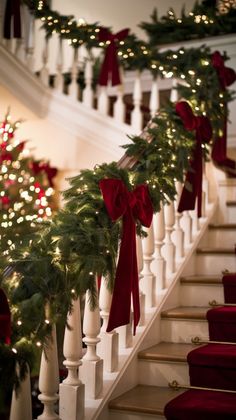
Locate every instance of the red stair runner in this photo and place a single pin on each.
(212, 366)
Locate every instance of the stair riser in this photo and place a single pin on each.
(219, 238)
(231, 214)
(214, 264)
(182, 331)
(200, 295)
(161, 373)
(123, 415)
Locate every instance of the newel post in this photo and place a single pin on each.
(71, 389)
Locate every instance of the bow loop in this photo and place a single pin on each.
(134, 205)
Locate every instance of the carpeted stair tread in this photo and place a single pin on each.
(223, 313)
(223, 355)
(185, 312)
(215, 251)
(144, 399)
(231, 203)
(202, 405)
(167, 352)
(201, 279)
(222, 226)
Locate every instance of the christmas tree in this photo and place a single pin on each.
(26, 189)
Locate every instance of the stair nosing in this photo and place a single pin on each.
(187, 316)
(200, 280)
(213, 251)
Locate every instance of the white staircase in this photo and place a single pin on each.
(182, 317)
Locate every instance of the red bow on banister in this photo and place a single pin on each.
(202, 127)
(130, 206)
(12, 11)
(50, 171)
(5, 318)
(110, 66)
(226, 75)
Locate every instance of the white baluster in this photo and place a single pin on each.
(154, 98)
(186, 223)
(92, 368)
(205, 191)
(119, 106)
(2, 12)
(174, 92)
(169, 247)
(49, 379)
(140, 268)
(59, 80)
(71, 389)
(103, 100)
(88, 77)
(136, 116)
(147, 282)
(30, 42)
(159, 264)
(125, 335)
(108, 347)
(195, 220)
(178, 233)
(21, 406)
(73, 87)
(44, 72)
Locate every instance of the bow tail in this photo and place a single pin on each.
(188, 198)
(126, 281)
(12, 11)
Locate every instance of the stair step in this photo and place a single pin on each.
(231, 203)
(219, 235)
(201, 279)
(144, 399)
(222, 226)
(211, 289)
(167, 352)
(181, 324)
(213, 260)
(215, 251)
(185, 312)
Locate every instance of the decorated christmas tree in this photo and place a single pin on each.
(26, 189)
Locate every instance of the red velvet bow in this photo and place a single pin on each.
(110, 66)
(226, 75)
(51, 172)
(5, 318)
(12, 11)
(202, 127)
(130, 206)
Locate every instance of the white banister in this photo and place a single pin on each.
(21, 405)
(159, 263)
(72, 393)
(59, 80)
(186, 223)
(119, 106)
(136, 115)
(169, 247)
(154, 104)
(88, 78)
(73, 87)
(103, 100)
(49, 379)
(44, 72)
(109, 344)
(30, 39)
(178, 232)
(195, 220)
(140, 268)
(147, 282)
(174, 92)
(92, 367)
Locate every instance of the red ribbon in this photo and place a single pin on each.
(5, 318)
(226, 77)
(39, 167)
(110, 66)
(12, 11)
(202, 127)
(131, 206)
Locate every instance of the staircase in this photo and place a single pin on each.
(166, 361)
